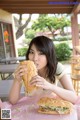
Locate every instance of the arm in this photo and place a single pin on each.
(67, 92)
(66, 83)
(14, 94)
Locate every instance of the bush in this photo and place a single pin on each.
(63, 51)
(22, 51)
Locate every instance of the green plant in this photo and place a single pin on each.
(29, 34)
(22, 51)
(63, 51)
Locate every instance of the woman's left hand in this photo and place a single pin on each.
(40, 82)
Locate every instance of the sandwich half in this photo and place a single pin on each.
(30, 72)
(54, 106)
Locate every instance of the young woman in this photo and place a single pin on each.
(42, 52)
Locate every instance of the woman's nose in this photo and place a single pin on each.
(35, 57)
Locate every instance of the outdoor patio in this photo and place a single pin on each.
(9, 7)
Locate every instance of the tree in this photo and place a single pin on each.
(20, 26)
(51, 23)
(29, 35)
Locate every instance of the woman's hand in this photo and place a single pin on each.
(19, 72)
(40, 82)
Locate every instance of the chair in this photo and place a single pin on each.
(76, 84)
(75, 72)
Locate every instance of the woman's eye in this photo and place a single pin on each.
(31, 52)
(41, 53)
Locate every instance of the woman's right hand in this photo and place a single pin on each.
(19, 72)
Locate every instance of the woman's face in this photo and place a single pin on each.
(37, 57)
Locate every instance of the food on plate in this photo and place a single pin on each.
(54, 106)
(30, 72)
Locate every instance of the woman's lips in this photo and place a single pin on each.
(36, 65)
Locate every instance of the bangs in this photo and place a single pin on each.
(40, 47)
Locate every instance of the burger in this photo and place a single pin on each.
(29, 73)
(54, 106)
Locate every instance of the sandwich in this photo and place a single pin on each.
(30, 72)
(54, 106)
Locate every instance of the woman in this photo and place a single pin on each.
(42, 52)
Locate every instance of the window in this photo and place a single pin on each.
(6, 40)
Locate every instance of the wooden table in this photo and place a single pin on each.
(7, 69)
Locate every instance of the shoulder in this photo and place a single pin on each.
(60, 68)
(60, 71)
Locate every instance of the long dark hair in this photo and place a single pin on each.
(46, 46)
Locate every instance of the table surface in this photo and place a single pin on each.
(5, 86)
(8, 68)
(12, 59)
(27, 109)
